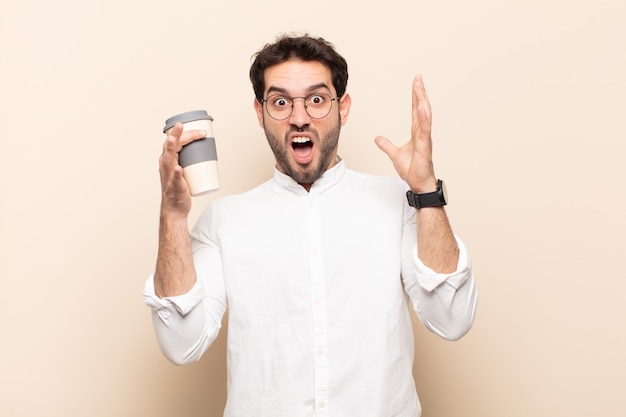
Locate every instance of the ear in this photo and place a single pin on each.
(344, 108)
(259, 112)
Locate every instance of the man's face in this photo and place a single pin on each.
(304, 147)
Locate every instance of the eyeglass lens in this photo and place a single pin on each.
(316, 105)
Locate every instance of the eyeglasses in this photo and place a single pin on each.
(317, 105)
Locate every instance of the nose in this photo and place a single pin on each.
(299, 116)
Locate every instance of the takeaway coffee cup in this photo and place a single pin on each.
(198, 158)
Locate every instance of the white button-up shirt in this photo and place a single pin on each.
(316, 287)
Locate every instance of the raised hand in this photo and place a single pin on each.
(176, 198)
(413, 161)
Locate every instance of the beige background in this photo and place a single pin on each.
(528, 100)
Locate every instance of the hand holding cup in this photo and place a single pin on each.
(198, 158)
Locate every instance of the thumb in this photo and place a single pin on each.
(385, 145)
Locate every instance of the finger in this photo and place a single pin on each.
(421, 124)
(420, 98)
(169, 156)
(386, 146)
(173, 181)
(424, 123)
(414, 102)
(178, 181)
(189, 136)
(173, 138)
(177, 138)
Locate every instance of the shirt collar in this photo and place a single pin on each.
(329, 178)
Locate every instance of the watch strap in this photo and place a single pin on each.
(433, 199)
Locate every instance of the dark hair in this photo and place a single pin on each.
(305, 48)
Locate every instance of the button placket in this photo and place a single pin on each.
(318, 289)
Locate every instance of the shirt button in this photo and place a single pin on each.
(320, 351)
(318, 301)
(322, 404)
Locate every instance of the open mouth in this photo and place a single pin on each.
(302, 148)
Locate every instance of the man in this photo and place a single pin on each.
(314, 265)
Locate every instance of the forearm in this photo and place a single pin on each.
(436, 245)
(175, 273)
(187, 309)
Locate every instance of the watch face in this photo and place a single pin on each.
(444, 191)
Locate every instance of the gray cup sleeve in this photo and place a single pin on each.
(198, 151)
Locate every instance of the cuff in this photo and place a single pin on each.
(182, 303)
(428, 279)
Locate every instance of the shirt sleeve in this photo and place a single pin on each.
(182, 304)
(429, 279)
(186, 325)
(445, 303)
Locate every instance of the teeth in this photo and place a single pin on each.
(300, 139)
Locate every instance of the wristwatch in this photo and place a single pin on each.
(437, 198)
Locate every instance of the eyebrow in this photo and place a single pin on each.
(310, 89)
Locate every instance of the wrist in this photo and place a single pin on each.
(426, 186)
(436, 198)
(172, 218)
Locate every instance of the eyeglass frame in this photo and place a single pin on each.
(304, 98)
